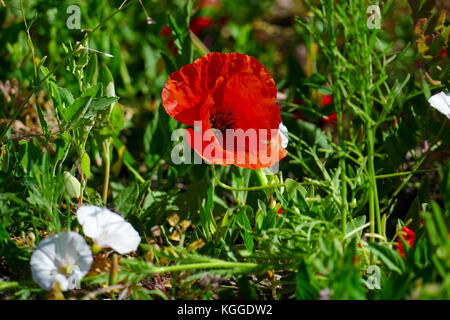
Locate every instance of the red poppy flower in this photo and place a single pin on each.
(409, 236)
(326, 100)
(279, 212)
(227, 91)
(330, 119)
(443, 53)
(165, 31)
(198, 24)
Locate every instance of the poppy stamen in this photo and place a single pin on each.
(223, 120)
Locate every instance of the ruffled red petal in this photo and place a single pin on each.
(409, 237)
(213, 152)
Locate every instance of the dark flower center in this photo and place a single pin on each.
(222, 120)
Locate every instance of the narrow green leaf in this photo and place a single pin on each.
(86, 165)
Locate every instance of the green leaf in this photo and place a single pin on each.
(61, 143)
(117, 118)
(91, 71)
(127, 157)
(243, 221)
(304, 283)
(75, 110)
(30, 154)
(86, 165)
(92, 92)
(392, 259)
(178, 32)
(8, 284)
(292, 186)
(107, 80)
(126, 199)
(65, 96)
(56, 98)
(103, 103)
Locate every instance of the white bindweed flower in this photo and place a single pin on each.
(108, 229)
(284, 135)
(441, 102)
(63, 258)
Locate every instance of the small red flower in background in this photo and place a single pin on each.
(198, 24)
(326, 100)
(165, 30)
(226, 91)
(443, 54)
(279, 212)
(409, 237)
(204, 18)
(331, 118)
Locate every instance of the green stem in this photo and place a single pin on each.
(134, 172)
(405, 173)
(114, 270)
(339, 113)
(225, 186)
(365, 57)
(111, 15)
(204, 265)
(106, 150)
(374, 208)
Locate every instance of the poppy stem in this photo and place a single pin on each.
(225, 186)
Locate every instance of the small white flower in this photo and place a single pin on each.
(441, 102)
(64, 258)
(108, 229)
(284, 135)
